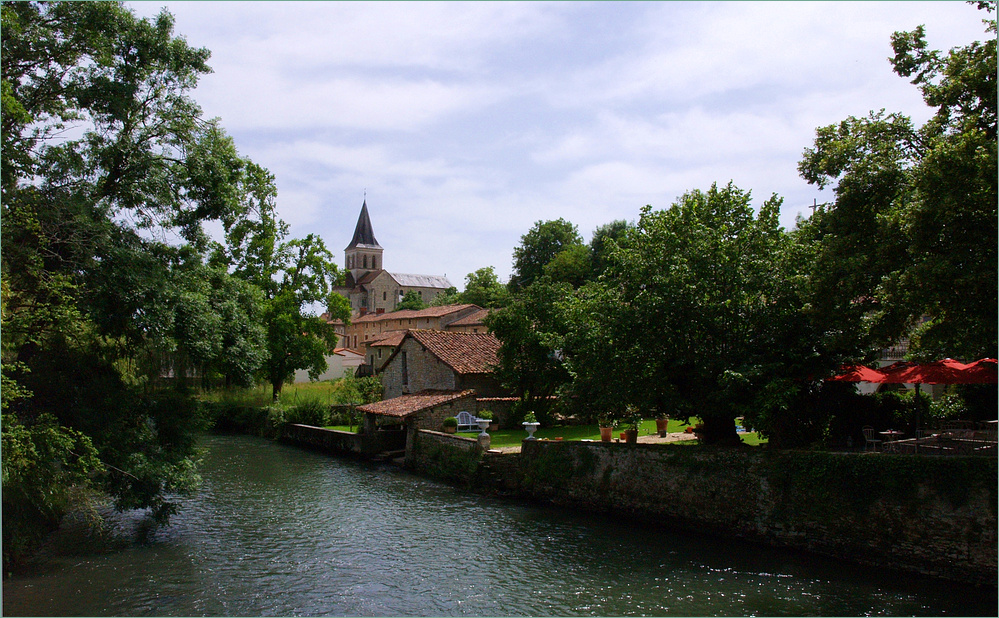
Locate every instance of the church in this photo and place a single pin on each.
(372, 289)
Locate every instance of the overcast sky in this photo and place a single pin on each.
(468, 122)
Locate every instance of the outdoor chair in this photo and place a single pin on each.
(870, 442)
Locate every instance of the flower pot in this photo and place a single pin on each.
(450, 430)
(493, 426)
(606, 433)
(631, 436)
(661, 424)
(531, 428)
(483, 424)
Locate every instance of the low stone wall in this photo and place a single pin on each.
(932, 516)
(344, 442)
(443, 456)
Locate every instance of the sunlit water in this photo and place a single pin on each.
(279, 531)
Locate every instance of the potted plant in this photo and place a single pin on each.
(634, 422)
(450, 425)
(487, 415)
(531, 424)
(606, 428)
(662, 422)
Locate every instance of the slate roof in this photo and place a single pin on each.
(422, 281)
(465, 353)
(364, 234)
(407, 405)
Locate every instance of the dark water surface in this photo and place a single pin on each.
(278, 531)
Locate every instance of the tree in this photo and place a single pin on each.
(529, 331)
(699, 314)
(912, 233)
(605, 239)
(412, 301)
(451, 296)
(538, 247)
(483, 288)
(108, 174)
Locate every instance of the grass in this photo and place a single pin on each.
(291, 394)
(513, 437)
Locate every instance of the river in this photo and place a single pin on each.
(280, 531)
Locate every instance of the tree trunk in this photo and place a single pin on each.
(719, 431)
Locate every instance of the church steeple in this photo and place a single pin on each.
(363, 254)
(363, 232)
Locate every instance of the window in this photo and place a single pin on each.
(384, 295)
(365, 261)
(405, 369)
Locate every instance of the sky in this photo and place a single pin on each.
(463, 124)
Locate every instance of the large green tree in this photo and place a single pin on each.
(483, 288)
(538, 247)
(109, 172)
(908, 246)
(699, 313)
(295, 276)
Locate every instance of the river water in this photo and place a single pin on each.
(279, 531)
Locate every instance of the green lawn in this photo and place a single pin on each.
(513, 437)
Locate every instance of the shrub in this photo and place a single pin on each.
(486, 414)
(310, 412)
(450, 422)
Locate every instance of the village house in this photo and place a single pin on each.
(441, 360)
(338, 365)
(471, 323)
(368, 327)
(372, 289)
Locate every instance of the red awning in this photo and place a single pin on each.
(858, 373)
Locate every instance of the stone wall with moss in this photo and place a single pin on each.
(935, 516)
(442, 456)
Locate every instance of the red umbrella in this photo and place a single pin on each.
(981, 371)
(946, 371)
(858, 373)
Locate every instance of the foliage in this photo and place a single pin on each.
(450, 422)
(449, 297)
(485, 414)
(109, 174)
(412, 301)
(42, 461)
(530, 418)
(310, 412)
(294, 275)
(912, 233)
(688, 314)
(483, 288)
(529, 329)
(538, 247)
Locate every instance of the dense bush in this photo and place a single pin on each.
(310, 412)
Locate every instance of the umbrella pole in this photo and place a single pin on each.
(919, 404)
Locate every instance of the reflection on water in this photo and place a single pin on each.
(279, 531)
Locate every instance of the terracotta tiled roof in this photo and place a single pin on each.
(390, 339)
(407, 405)
(429, 312)
(464, 352)
(472, 319)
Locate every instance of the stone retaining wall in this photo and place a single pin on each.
(344, 442)
(932, 516)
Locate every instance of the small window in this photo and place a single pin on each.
(384, 295)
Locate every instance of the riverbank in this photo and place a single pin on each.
(931, 516)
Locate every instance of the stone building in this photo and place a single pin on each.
(442, 361)
(367, 327)
(372, 289)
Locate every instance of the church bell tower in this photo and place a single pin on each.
(363, 255)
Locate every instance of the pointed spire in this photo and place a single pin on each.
(363, 232)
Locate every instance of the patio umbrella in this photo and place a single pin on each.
(858, 373)
(982, 371)
(946, 371)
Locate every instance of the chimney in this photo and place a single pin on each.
(380, 311)
(364, 311)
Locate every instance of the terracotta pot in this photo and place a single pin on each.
(606, 433)
(661, 424)
(631, 436)
(493, 426)
(450, 430)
